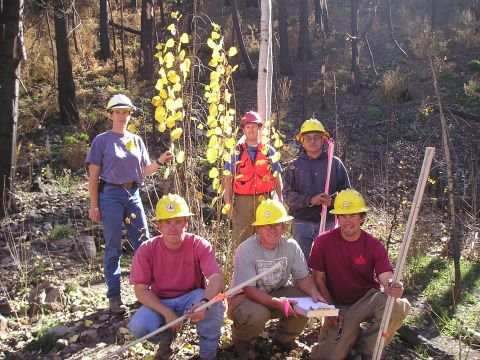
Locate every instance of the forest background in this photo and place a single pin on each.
(366, 69)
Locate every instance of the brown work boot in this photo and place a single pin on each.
(117, 307)
(164, 350)
(245, 350)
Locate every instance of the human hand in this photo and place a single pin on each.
(196, 316)
(286, 306)
(166, 156)
(94, 214)
(316, 297)
(395, 290)
(321, 199)
(170, 316)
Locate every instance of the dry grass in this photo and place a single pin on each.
(394, 87)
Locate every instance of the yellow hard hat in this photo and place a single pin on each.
(349, 201)
(120, 101)
(271, 212)
(171, 206)
(311, 125)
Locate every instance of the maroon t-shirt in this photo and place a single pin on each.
(351, 266)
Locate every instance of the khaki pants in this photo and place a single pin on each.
(249, 317)
(243, 215)
(368, 309)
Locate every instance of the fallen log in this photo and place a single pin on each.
(411, 336)
(463, 114)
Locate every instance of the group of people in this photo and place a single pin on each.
(176, 272)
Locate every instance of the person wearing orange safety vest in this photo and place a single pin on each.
(251, 177)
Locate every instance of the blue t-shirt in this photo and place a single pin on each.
(120, 157)
(252, 152)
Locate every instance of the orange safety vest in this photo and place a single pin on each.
(253, 178)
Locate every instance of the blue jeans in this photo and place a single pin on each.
(147, 320)
(116, 205)
(305, 232)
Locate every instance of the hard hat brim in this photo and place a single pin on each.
(181, 214)
(349, 211)
(300, 134)
(133, 108)
(281, 220)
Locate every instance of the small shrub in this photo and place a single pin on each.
(394, 87)
(374, 112)
(74, 149)
(472, 88)
(59, 232)
(474, 65)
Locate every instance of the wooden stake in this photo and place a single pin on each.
(402, 256)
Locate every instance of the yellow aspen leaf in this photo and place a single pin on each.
(178, 103)
(175, 15)
(221, 108)
(278, 143)
(227, 173)
(221, 69)
(130, 145)
(162, 127)
(167, 173)
(181, 55)
(211, 121)
(157, 101)
(226, 209)
(215, 35)
(159, 46)
(213, 173)
(213, 63)
(132, 128)
(178, 115)
(235, 68)
(170, 105)
(173, 77)
(232, 111)
(227, 96)
(170, 122)
(199, 196)
(215, 26)
(276, 157)
(185, 67)
(184, 38)
(180, 157)
(215, 183)
(218, 131)
(230, 143)
(212, 155)
(169, 59)
(212, 109)
(211, 43)
(232, 51)
(88, 323)
(159, 56)
(159, 85)
(172, 28)
(160, 114)
(170, 43)
(163, 94)
(214, 76)
(261, 198)
(175, 134)
(149, 357)
(176, 87)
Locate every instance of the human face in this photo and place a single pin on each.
(269, 235)
(350, 226)
(312, 143)
(173, 231)
(251, 133)
(120, 119)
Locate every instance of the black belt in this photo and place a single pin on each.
(126, 186)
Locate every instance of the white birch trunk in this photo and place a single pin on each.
(265, 66)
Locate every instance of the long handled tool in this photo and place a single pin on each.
(402, 256)
(217, 298)
(323, 219)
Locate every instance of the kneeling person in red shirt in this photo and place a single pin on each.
(349, 265)
(169, 274)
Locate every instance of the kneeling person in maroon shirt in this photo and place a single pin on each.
(349, 265)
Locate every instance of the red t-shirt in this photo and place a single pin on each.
(172, 273)
(351, 266)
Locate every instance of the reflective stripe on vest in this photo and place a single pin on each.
(253, 179)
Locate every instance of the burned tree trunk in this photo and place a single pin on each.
(12, 52)
(105, 52)
(146, 40)
(321, 15)
(285, 63)
(66, 87)
(303, 37)
(241, 44)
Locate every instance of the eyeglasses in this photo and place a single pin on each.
(274, 226)
(313, 138)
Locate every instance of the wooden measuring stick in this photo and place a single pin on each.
(402, 256)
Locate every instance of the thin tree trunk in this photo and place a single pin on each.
(321, 15)
(264, 84)
(303, 36)
(355, 69)
(52, 48)
(66, 87)
(115, 61)
(12, 52)
(390, 27)
(163, 22)
(105, 52)
(122, 44)
(241, 44)
(285, 62)
(454, 240)
(146, 40)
